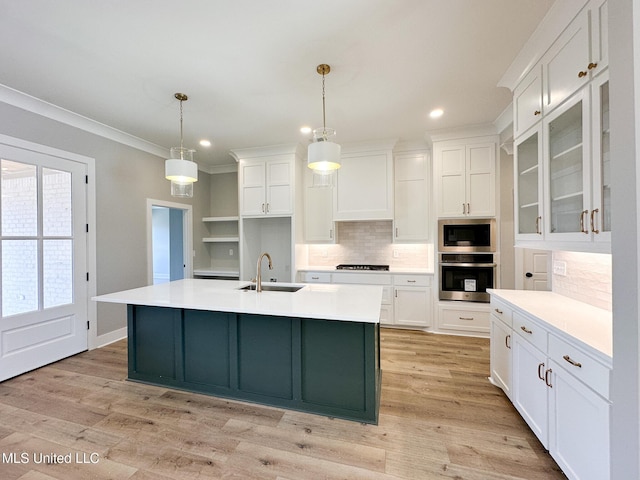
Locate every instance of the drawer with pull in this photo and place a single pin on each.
(317, 277)
(464, 320)
(502, 311)
(411, 280)
(580, 364)
(531, 331)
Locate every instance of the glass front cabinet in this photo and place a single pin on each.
(528, 181)
(562, 175)
(567, 171)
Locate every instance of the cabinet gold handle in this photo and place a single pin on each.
(592, 65)
(465, 318)
(547, 376)
(540, 367)
(411, 281)
(593, 214)
(507, 342)
(468, 208)
(263, 208)
(572, 361)
(537, 112)
(464, 209)
(538, 229)
(582, 215)
(331, 233)
(498, 311)
(582, 74)
(267, 208)
(396, 232)
(526, 330)
(315, 278)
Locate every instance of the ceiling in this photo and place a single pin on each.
(249, 66)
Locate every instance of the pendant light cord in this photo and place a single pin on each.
(181, 144)
(324, 120)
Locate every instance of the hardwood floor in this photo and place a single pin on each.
(440, 418)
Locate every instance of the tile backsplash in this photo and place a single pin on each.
(588, 277)
(370, 243)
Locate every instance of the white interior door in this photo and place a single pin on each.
(43, 246)
(535, 274)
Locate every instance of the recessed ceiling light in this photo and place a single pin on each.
(437, 113)
(205, 143)
(305, 130)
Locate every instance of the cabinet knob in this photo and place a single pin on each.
(592, 65)
(537, 112)
(528, 274)
(582, 74)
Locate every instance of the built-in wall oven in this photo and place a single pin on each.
(466, 258)
(466, 276)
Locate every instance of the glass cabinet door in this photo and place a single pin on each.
(566, 173)
(529, 213)
(600, 217)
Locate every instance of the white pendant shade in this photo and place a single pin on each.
(323, 156)
(181, 171)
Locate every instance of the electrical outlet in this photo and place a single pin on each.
(560, 268)
(231, 252)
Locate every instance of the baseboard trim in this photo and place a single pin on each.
(111, 337)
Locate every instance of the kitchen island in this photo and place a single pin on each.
(315, 349)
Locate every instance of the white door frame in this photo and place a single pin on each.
(187, 227)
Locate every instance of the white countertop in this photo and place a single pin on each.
(392, 270)
(590, 325)
(355, 303)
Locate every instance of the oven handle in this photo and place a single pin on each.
(442, 264)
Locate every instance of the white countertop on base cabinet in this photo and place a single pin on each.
(589, 325)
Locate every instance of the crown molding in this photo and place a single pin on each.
(552, 25)
(470, 131)
(35, 105)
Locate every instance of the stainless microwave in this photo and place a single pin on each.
(467, 235)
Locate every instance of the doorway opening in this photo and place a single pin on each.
(169, 227)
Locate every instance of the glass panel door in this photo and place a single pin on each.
(43, 285)
(528, 185)
(566, 172)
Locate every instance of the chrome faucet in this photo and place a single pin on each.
(259, 271)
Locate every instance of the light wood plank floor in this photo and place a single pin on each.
(439, 419)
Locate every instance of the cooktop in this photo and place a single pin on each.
(349, 266)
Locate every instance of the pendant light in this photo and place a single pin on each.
(323, 155)
(180, 167)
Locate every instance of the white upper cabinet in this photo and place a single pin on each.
(364, 186)
(528, 181)
(527, 101)
(565, 66)
(567, 171)
(266, 187)
(577, 56)
(412, 191)
(318, 214)
(465, 179)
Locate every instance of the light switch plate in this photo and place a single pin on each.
(560, 268)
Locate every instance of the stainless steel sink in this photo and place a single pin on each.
(274, 288)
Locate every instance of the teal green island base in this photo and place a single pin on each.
(326, 367)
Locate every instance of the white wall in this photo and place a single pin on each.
(624, 67)
(125, 178)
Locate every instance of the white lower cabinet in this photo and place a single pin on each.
(463, 318)
(559, 389)
(529, 389)
(501, 343)
(412, 300)
(406, 299)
